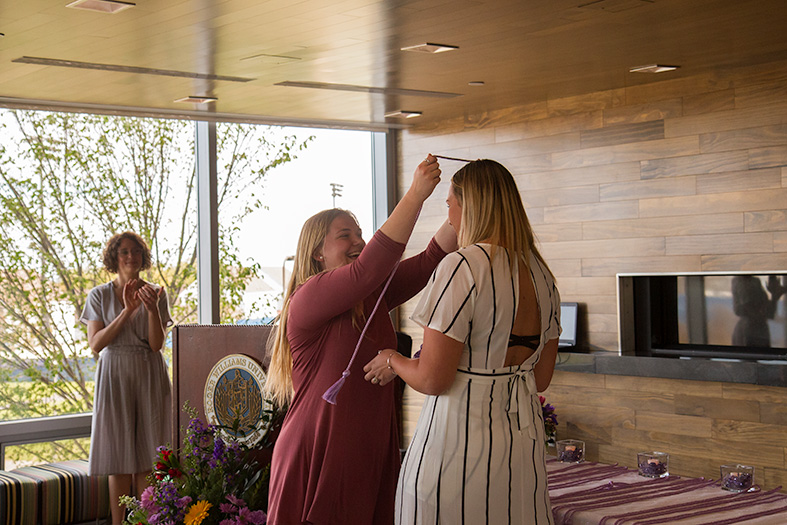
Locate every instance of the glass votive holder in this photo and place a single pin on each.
(570, 451)
(653, 464)
(737, 478)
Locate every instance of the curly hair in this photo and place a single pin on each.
(113, 245)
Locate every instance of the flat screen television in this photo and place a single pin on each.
(722, 315)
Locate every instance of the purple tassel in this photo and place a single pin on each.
(330, 394)
(333, 391)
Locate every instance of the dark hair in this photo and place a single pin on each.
(113, 245)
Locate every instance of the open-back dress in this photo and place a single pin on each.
(477, 454)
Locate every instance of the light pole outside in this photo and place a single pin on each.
(336, 191)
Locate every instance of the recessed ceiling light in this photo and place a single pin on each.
(403, 113)
(430, 48)
(42, 61)
(652, 68)
(476, 83)
(102, 6)
(197, 99)
(271, 59)
(368, 89)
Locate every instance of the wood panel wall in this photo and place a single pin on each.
(702, 424)
(684, 174)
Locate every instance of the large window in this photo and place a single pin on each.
(333, 169)
(69, 181)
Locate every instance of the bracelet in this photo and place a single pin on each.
(388, 362)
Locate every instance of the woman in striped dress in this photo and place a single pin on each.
(126, 322)
(491, 325)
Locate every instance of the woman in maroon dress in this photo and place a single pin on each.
(339, 463)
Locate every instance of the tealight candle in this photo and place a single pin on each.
(737, 478)
(653, 464)
(570, 451)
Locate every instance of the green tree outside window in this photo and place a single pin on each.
(67, 183)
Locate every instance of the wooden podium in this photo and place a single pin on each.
(195, 350)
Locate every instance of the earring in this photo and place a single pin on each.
(320, 257)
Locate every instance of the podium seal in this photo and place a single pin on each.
(233, 391)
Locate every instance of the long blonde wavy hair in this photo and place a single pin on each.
(492, 210)
(278, 384)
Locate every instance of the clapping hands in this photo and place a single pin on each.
(137, 292)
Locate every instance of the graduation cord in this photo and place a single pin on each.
(331, 393)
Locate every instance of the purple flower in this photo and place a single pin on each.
(235, 500)
(234, 447)
(171, 505)
(252, 517)
(244, 515)
(147, 500)
(217, 458)
(228, 508)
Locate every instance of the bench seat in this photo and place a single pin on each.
(61, 493)
(18, 499)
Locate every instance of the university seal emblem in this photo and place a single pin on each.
(233, 391)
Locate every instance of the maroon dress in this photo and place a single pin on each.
(339, 464)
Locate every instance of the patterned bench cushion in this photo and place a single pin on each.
(67, 494)
(18, 499)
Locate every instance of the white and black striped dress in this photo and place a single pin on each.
(477, 454)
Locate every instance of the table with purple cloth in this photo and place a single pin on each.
(599, 494)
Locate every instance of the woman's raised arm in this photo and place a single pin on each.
(400, 223)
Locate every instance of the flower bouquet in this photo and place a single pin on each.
(550, 421)
(211, 482)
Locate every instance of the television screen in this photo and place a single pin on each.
(732, 310)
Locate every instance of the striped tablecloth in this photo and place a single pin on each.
(598, 494)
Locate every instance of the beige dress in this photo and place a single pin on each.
(132, 404)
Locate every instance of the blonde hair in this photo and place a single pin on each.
(492, 210)
(278, 384)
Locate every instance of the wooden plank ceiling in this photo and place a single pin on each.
(241, 51)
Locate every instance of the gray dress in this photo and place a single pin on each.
(132, 402)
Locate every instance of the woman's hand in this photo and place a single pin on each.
(131, 300)
(378, 370)
(150, 297)
(400, 223)
(776, 289)
(426, 178)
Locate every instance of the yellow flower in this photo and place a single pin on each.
(197, 512)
